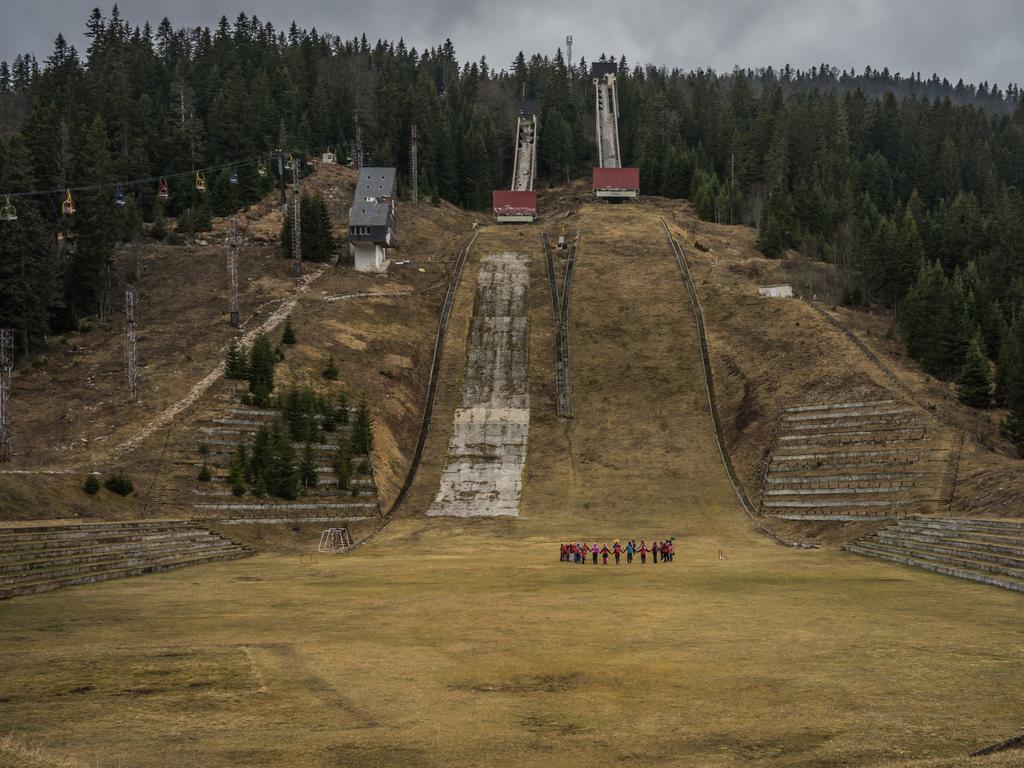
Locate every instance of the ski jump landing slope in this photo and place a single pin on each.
(487, 451)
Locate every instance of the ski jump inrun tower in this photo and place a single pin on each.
(610, 180)
(519, 204)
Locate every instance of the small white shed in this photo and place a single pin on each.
(776, 291)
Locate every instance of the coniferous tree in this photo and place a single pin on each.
(235, 366)
(307, 470)
(89, 284)
(28, 265)
(974, 384)
(261, 370)
(288, 337)
(343, 465)
(237, 471)
(362, 430)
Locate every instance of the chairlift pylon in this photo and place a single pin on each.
(163, 191)
(68, 206)
(119, 200)
(200, 182)
(7, 211)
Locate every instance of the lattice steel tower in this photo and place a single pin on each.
(233, 239)
(131, 313)
(414, 169)
(359, 145)
(296, 221)
(6, 366)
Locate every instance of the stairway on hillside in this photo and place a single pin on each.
(43, 558)
(988, 551)
(857, 460)
(225, 423)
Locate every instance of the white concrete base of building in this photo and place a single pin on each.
(369, 257)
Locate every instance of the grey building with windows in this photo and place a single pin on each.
(372, 230)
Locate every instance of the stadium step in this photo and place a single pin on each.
(851, 414)
(988, 551)
(1016, 585)
(42, 558)
(837, 406)
(832, 491)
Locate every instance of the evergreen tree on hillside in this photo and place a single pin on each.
(235, 366)
(288, 335)
(933, 323)
(974, 384)
(261, 370)
(362, 430)
(89, 282)
(28, 264)
(318, 241)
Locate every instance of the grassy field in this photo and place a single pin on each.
(466, 643)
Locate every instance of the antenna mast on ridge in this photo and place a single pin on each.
(568, 58)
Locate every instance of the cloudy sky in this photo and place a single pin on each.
(978, 40)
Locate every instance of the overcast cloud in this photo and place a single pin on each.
(978, 41)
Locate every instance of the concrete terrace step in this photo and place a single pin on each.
(831, 491)
(887, 464)
(81, 569)
(852, 414)
(952, 547)
(34, 560)
(61, 550)
(774, 477)
(837, 406)
(46, 585)
(833, 517)
(323, 489)
(69, 538)
(856, 455)
(17, 550)
(321, 481)
(848, 423)
(99, 526)
(272, 519)
(888, 437)
(987, 538)
(967, 524)
(839, 504)
(297, 506)
(1005, 582)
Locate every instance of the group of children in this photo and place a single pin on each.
(576, 552)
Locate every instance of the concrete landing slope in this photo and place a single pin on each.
(487, 450)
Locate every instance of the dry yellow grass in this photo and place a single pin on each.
(466, 643)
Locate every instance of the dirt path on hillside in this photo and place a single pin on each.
(203, 385)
